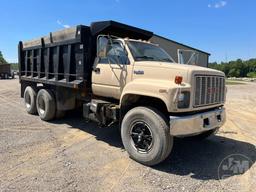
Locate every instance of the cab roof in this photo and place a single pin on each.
(120, 30)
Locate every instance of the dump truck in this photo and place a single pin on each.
(5, 71)
(112, 72)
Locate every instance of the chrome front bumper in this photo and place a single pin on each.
(195, 124)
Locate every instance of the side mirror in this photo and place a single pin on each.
(102, 42)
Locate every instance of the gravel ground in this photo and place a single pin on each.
(72, 155)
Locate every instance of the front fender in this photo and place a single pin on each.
(161, 89)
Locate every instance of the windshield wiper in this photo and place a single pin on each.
(144, 57)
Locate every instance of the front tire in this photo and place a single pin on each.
(45, 103)
(145, 135)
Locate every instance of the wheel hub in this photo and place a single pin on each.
(141, 137)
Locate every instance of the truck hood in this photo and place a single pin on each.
(168, 71)
(178, 66)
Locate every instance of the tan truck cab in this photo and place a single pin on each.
(141, 74)
(135, 68)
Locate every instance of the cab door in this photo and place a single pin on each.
(112, 68)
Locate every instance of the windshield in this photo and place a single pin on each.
(148, 52)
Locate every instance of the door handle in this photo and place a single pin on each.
(96, 70)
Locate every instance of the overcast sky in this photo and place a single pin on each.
(226, 28)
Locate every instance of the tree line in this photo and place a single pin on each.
(2, 60)
(14, 66)
(238, 68)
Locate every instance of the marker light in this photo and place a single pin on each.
(178, 80)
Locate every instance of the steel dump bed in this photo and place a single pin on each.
(61, 58)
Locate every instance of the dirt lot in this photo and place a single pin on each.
(72, 155)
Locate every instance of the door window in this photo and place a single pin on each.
(111, 52)
(116, 54)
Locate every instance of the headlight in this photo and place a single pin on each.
(184, 99)
(181, 97)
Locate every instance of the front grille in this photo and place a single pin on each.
(209, 90)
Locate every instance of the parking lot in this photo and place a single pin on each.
(72, 155)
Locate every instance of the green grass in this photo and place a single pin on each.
(234, 82)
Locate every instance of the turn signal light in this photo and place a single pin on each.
(178, 80)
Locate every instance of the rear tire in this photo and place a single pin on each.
(145, 135)
(45, 103)
(30, 100)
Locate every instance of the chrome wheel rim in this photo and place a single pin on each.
(141, 137)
